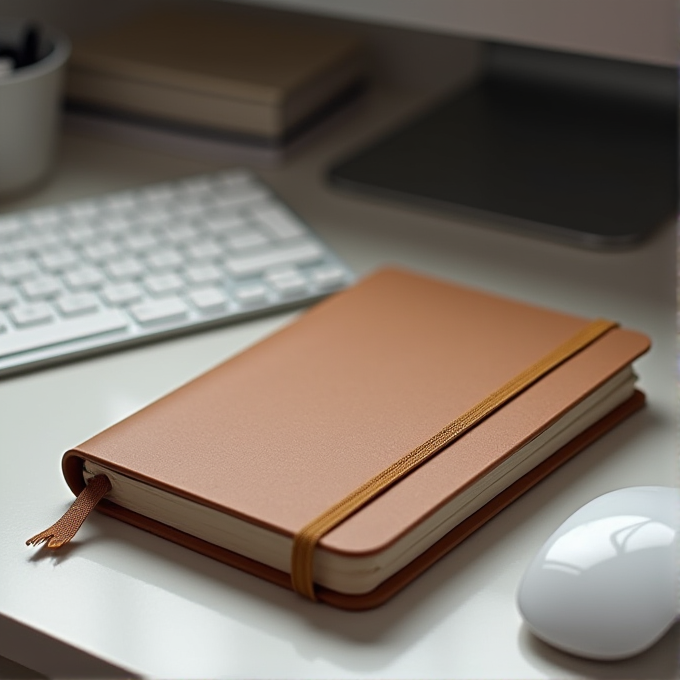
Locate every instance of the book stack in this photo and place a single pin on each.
(225, 75)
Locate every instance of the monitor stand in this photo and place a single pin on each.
(573, 148)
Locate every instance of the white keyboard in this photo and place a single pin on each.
(139, 265)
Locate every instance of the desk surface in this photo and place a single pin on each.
(121, 599)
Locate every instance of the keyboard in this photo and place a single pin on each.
(135, 266)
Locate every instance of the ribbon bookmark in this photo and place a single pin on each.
(65, 529)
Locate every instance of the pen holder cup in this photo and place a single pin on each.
(30, 108)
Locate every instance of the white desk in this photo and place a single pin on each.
(121, 599)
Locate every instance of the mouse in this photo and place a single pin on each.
(605, 584)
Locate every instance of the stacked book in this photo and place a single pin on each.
(227, 75)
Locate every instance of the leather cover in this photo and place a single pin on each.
(283, 430)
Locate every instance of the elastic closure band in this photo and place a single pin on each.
(305, 541)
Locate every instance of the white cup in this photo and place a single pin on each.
(30, 109)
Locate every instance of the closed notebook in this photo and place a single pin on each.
(360, 443)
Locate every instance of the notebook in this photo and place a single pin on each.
(347, 452)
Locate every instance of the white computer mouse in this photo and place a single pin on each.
(605, 584)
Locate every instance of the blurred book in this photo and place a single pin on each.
(228, 77)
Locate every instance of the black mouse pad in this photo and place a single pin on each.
(594, 171)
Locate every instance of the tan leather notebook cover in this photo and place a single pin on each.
(277, 434)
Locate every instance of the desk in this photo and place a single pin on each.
(119, 601)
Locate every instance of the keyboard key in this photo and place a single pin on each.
(85, 278)
(75, 305)
(232, 180)
(207, 250)
(221, 224)
(141, 242)
(189, 209)
(41, 288)
(299, 254)
(113, 225)
(45, 218)
(194, 187)
(281, 224)
(151, 216)
(48, 240)
(83, 209)
(129, 268)
(19, 247)
(79, 233)
(8, 296)
(251, 294)
(122, 201)
(162, 284)
(246, 240)
(165, 310)
(59, 260)
(286, 281)
(122, 294)
(209, 300)
(164, 259)
(10, 226)
(325, 278)
(102, 251)
(180, 233)
(156, 194)
(66, 330)
(203, 273)
(17, 270)
(31, 314)
(241, 199)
